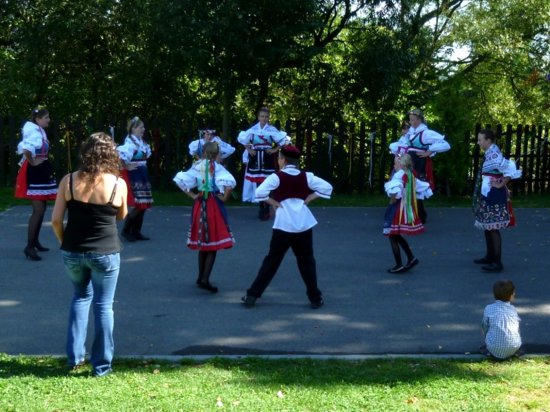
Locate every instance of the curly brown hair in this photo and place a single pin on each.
(98, 155)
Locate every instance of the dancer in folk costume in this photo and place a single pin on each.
(401, 216)
(36, 179)
(209, 230)
(262, 141)
(492, 206)
(422, 144)
(134, 154)
(209, 135)
(290, 191)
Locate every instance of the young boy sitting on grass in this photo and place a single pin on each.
(500, 324)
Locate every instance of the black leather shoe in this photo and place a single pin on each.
(30, 253)
(40, 248)
(483, 261)
(411, 263)
(397, 269)
(207, 286)
(140, 236)
(493, 267)
(128, 236)
(317, 304)
(248, 301)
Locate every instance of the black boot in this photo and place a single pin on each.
(127, 229)
(30, 253)
(264, 211)
(39, 247)
(138, 223)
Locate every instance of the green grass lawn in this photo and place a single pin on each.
(252, 384)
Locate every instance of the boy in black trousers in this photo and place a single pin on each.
(289, 191)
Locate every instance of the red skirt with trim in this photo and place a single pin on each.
(396, 223)
(209, 229)
(36, 182)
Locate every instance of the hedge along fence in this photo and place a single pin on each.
(354, 157)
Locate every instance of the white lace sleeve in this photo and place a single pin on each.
(423, 189)
(400, 146)
(226, 149)
(126, 150)
(437, 141)
(186, 180)
(32, 139)
(509, 169)
(194, 147)
(395, 185)
(244, 137)
(224, 178)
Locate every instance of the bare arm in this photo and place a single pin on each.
(272, 202)
(226, 194)
(123, 190)
(59, 210)
(32, 161)
(311, 198)
(191, 194)
(498, 183)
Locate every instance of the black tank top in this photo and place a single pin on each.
(91, 227)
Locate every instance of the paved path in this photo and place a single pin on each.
(434, 309)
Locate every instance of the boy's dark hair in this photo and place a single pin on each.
(503, 290)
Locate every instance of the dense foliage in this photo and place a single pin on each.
(340, 59)
(216, 61)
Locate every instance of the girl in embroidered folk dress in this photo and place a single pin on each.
(261, 142)
(134, 154)
(492, 206)
(209, 135)
(422, 144)
(209, 231)
(401, 216)
(35, 180)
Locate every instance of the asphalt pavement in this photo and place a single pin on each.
(436, 308)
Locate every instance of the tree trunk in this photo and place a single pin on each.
(228, 98)
(264, 90)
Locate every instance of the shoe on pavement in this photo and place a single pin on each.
(248, 301)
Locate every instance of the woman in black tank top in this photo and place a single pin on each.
(95, 199)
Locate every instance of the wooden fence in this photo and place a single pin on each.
(353, 157)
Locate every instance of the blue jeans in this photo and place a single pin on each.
(94, 277)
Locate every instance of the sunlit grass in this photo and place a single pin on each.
(252, 384)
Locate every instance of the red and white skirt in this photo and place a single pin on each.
(396, 222)
(36, 182)
(209, 229)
